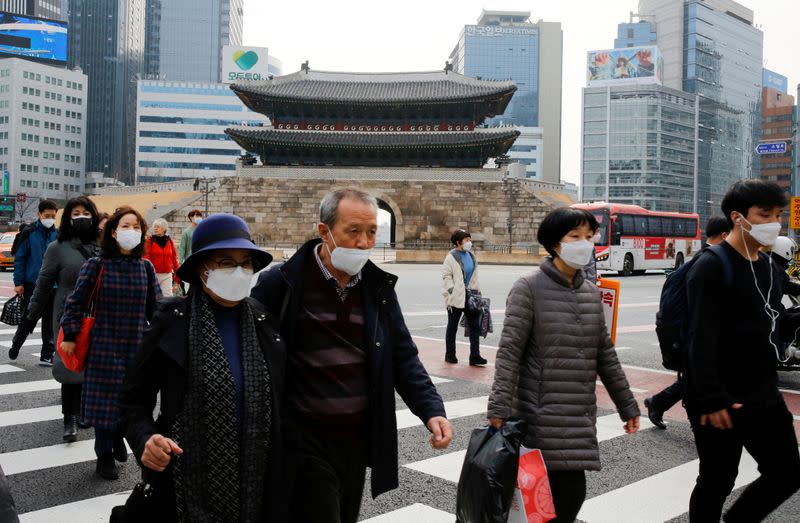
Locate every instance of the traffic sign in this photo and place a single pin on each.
(794, 213)
(771, 148)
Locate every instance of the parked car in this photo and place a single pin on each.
(6, 258)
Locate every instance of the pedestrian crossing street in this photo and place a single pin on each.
(647, 477)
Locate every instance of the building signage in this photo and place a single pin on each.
(33, 38)
(498, 30)
(775, 81)
(244, 63)
(771, 148)
(794, 213)
(632, 65)
(6, 182)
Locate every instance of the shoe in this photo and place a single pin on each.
(655, 416)
(107, 467)
(477, 361)
(120, 450)
(46, 361)
(70, 429)
(13, 353)
(82, 424)
(450, 359)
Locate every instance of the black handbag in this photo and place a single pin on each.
(474, 301)
(13, 311)
(145, 503)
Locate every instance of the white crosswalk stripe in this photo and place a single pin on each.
(19, 417)
(88, 510)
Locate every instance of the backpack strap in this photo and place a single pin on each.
(727, 265)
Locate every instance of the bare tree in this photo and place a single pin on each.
(23, 209)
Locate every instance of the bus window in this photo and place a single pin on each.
(602, 229)
(654, 227)
(627, 224)
(641, 226)
(616, 231)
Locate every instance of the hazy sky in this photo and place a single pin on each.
(415, 35)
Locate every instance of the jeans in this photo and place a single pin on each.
(26, 327)
(474, 320)
(767, 433)
(569, 492)
(667, 398)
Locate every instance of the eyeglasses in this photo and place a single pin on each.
(230, 263)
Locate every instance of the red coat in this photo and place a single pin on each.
(164, 259)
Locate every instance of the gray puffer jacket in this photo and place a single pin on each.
(553, 347)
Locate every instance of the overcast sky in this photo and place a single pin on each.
(416, 35)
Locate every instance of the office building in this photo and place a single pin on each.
(180, 130)
(106, 40)
(42, 128)
(778, 126)
(635, 34)
(52, 9)
(506, 45)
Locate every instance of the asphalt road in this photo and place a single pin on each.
(645, 478)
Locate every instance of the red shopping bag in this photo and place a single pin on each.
(533, 501)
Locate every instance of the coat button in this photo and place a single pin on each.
(383, 302)
(377, 344)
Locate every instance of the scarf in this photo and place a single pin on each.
(221, 475)
(160, 240)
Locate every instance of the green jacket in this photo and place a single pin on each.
(185, 247)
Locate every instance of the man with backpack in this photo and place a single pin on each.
(733, 299)
(27, 264)
(717, 229)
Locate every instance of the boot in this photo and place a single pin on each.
(107, 467)
(477, 361)
(70, 428)
(120, 450)
(655, 415)
(450, 358)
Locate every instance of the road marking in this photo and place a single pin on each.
(437, 380)
(19, 417)
(4, 369)
(623, 348)
(418, 513)
(41, 458)
(657, 498)
(28, 343)
(787, 391)
(630, 329)
(492, 347)
(646, 369)
(419, 314)
(632, 389)
(455, 409)
(448, 466)
(14, 331)
(87, 510)
(638, 305)
(28, 386)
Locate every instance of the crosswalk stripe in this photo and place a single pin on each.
(88, 510)
(418, 513)
(28, 343)
(448, 466)
(28, 386)
(14, 331)
(47, 457)
(10, 368)
(658, 498)
(19, 417)
(455, 409)
(437, 380)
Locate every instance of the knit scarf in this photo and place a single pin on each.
(220, 475)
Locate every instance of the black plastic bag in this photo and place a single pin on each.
(489, 474)
(13, 311)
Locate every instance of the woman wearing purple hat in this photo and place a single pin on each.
(217, 361)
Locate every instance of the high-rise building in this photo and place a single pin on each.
(185, 38)
(106, 40)
(635, 34)
(42, 128)
(712, 48)
(777, 132)
(42, 8)
(506, 45)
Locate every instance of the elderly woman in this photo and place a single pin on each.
(160, 250)
(217, 361)
(554, 345)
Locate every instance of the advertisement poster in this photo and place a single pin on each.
(33, 38)
(640, 65)
(609, 295)
(244, 63)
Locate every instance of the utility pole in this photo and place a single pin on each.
(206, 182)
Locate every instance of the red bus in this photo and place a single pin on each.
(633, 239)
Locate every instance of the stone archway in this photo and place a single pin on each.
(389, 205)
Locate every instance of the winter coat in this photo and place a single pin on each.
(61, 266)
(29, 255)
(185, 248)
(453, 288)
(126, 301)
(393, 360)
(164, 259)
(161, 369)
(554, 345)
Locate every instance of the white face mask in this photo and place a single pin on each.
(576, 254)
(230, 284)
(197, 220)
(348, 260)
(764, 233)
(129, 239)
(48, 222)
(467, 246)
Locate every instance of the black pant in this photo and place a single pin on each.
(26, 327)
(667, 398)
(569, 493)
(768, 435)
(326, 476)
(474, 321)
(71, 399)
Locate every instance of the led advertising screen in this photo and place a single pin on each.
(638, 65)
(774, 80)
(33, 38)
(244, 63)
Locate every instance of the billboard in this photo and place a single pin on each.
(241, 63)
(637, 65)
(33, 38)
(774, 80)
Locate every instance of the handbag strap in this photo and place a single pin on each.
(96, 290)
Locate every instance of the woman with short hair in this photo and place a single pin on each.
(160, 250)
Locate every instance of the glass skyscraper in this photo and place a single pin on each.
(41, 8)
(635, 34)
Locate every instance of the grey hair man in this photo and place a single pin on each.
(348, 351)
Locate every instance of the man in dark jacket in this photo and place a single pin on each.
(732, 395)
(27, 264)
(348, 350)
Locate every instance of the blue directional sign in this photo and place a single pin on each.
(771, 148)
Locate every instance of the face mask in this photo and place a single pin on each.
(48, 222)
(129, 239)
(197, 220)
(576, 254)
(82, 224)
(764, 233)
(468, 246)
(348, 260)
(230, 284)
